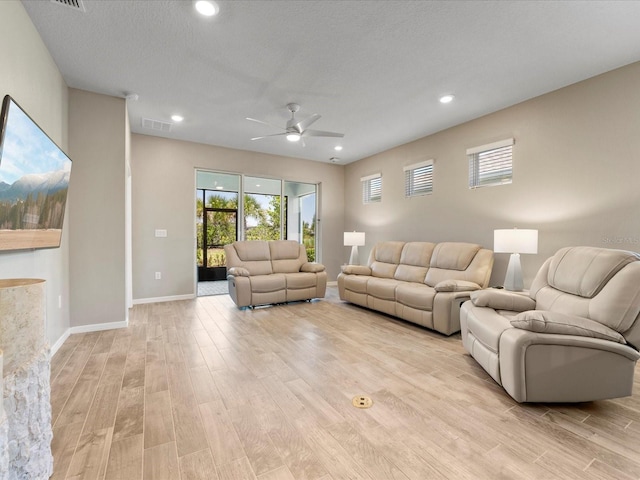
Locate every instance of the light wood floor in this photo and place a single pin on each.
(201, 390)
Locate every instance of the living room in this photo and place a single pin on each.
(575, 164)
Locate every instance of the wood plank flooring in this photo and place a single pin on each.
(201, 390)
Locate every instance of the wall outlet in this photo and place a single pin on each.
(161, 233)
(158, 276)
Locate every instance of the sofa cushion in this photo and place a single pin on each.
(301, 280)
(414, 261)
(383, 288)
(415, 295)
(253, 250)
(487, 327)
(583, 271)
(356, 283)
(453, 255)
(542, 321)
(287, 256)
(267, 283)
(459, 261)
(384, 259)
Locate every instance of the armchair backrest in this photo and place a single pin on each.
(596, 283)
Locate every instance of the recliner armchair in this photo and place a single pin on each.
(574, 338)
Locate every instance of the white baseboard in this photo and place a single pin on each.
(139, 301)
(96, 327)
(56, 346)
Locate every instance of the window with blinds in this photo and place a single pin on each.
(491, 164)
(418, 179)
(372, 188)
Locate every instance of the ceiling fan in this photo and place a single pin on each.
(295, 130)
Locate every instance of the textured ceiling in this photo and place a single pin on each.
(373, 70)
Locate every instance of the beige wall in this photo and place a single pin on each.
(163, 184)
(97, 144)
(29, 75)
(575, 176)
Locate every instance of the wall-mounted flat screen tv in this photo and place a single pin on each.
(34, 180)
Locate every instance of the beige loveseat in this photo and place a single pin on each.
(573, 338)
(276, 271)
(422, 282)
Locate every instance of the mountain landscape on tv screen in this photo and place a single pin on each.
(34, 201)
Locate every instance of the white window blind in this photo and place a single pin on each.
(372, 188)
(491, 164)
(418, 179)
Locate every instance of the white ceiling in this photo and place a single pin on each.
(374, 70)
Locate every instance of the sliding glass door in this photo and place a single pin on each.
(230, 207)
(216, 222)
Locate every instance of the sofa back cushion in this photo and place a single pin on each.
(596, 283)
(414, 261)
(287, 256)
(254, 255)
(460, 261)
(384, 258)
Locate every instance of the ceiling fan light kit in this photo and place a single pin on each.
(294, 130)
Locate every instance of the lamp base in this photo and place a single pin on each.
(513, 279)
(353, 259)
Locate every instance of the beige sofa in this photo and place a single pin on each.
(422, 282)
(276, 271)
(573, 338)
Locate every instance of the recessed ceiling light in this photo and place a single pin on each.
(177, 118)
(447, 98)
(219, 187)
(208, 8)
(337, 148)
(293, 137)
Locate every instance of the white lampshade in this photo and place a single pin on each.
(515, 240)
(353, 239)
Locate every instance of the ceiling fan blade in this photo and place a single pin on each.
(264, 123)
(272, 135)
(302, 125)
(320, 133)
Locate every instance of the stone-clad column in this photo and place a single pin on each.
(25, 435)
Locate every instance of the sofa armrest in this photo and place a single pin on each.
(501, 300)
(356, 270)
(238, 272)
(312, 267)
(456, 286)
(542, 321)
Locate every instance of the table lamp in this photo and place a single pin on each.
(515, 242)
(354, 240)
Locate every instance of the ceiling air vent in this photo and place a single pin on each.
(156, 125)
(75, 4)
